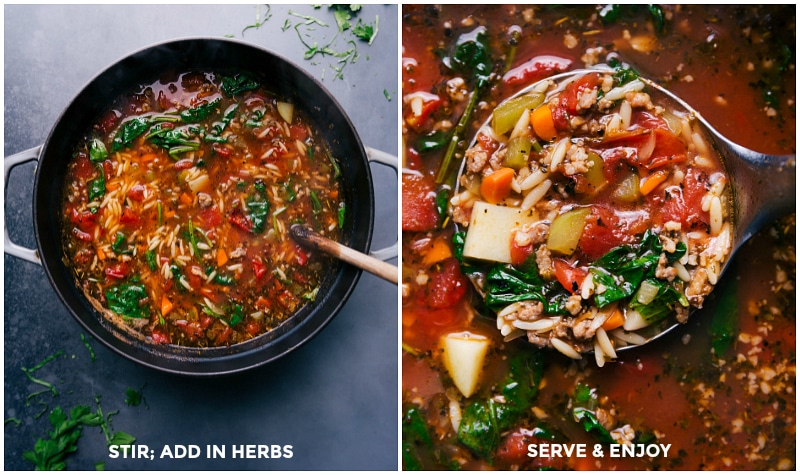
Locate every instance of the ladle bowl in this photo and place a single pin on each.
(763, 186)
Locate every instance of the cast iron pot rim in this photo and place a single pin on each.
(216, 361)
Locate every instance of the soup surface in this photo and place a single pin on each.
(717, 393)
(178, 204)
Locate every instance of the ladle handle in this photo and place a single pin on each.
(765, 187)
(368, 263)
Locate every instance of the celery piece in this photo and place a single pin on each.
(628, 189)
(566, 231)
(518, 152)
(595, 176)
(506, 115)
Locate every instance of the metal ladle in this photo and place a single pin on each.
(763, 187)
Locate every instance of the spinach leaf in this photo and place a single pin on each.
(200, 112)
(237, 315)
(118, 246)
(483, 421)
(479, 430)
(506, 284)
(97, 187)
(415, 435)
(342, 213)
(584, 406)
(224, 279)
(458, 245)
(663, 303)
(433, 141)
(723, 328)
(614, 13)
(257, 211)
(151, 259)
(129, 131)
(177, 141)
(129, 300)
(237, 84)
(97, 151)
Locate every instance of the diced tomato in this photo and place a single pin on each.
(429, 103)
(684, 204)
(184, 164)
(85, 220)
(520, 253)
(84, 169)
(412, 159)
(129, 217)
(569, 276)
(223, 336)
(447, 286)
(108, 122)
(194, 278)
(117, 271)
(569, 97)
(669, 149)
(514, 450)
(83, 236)
(163, 102)
(560, 118)
(206, 321)
(108, 170)
(298, 132)
(536, 68)
(192, 330)
(487, 143)
(136, 193)
(221, 150)
(238, 218)
(253, 327)
(259, 269)
(301, 256)
(160, 336)
(211, 216)
(600, 234)
(419, 203)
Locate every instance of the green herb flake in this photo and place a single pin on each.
(88, 347)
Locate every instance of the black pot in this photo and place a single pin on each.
(144, 67)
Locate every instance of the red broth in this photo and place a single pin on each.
(178, 206)
(720, 405)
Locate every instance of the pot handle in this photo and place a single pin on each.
(16, 250)
(375, 155)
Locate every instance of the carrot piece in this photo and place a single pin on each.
(147, 157)
(222, 257)
(542, 123)
(101, 254)
(169, 214)
(651, 181)
(437, 253)
(112, 186)
(185, 198)
(615, 320)
(497, 186)
(166, 305)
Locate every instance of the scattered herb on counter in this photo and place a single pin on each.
(134, 397)
(50, 453)
(49, 387)
(259, 23)
(88, 347)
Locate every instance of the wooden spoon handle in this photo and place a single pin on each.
(306, 235)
